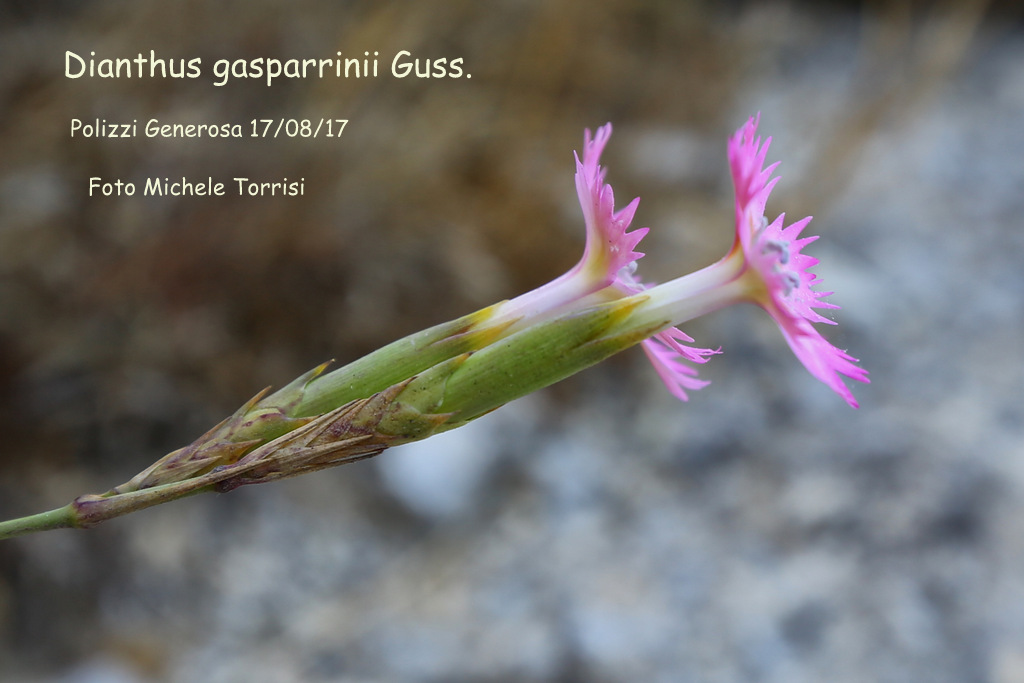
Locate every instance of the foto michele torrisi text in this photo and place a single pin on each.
(206, 187)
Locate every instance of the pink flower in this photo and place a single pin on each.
(784, 285)
(609, 248)
(605, 271)
(765, 266)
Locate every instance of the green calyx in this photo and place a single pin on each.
(470, 385)
(400, 360)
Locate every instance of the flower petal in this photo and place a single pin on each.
(677, 375)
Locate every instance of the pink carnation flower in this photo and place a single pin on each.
(605, 271)
(765, 266)
(610, 246)
(785, 286)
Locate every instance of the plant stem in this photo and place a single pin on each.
(60, 518)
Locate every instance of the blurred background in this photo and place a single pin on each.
(598, 530)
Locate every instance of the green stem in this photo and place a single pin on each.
(89, 510)
(60, 518)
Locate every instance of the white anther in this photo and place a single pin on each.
(790, 281)
(780, 247)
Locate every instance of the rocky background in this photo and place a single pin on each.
(598, 530)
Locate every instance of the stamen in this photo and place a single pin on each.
(790, 281)
(627, 272)
(779, 247)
